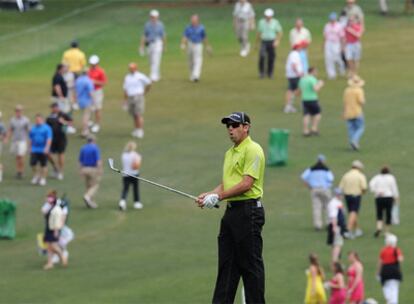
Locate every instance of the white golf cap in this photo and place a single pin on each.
(358, 164)
(94, 59)
(154, 13)
(269, 12)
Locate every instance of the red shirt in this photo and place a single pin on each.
(97, 73)
(351, 38)
(389, 255)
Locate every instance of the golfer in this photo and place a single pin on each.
(240, 242)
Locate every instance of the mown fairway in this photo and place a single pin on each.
(166, 253)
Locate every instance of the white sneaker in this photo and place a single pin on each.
(95, 128)
(122, 205)
(140, 133)
(243, 53)
(75, 106)
(138, 205)
(70, 130)
(247, 49)
(55, 259)
(35, 180)
(59, 176)
(90, 123)
(358, 233)
(42, 182)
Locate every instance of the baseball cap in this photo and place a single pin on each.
(357, 164)
(269, 12)
(18, 107)
(333, 16)
(154, 13)
(94, 59)
(338, 191)
(90, 137)
(240, 117)
(321, 157)
(54, 104)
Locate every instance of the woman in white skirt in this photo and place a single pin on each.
(131, 163)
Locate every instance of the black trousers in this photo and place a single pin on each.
(384, 204)
(267, 55)
(240, 247)
(126, 182)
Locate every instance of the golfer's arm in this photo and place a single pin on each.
(279, 37)
(242, 187)
(58, 90)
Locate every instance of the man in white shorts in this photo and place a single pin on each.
(98, 77)
(136, 85)
(18, 132)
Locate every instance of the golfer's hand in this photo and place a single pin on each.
(211, 200)
(200, 199)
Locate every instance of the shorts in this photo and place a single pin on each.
(40, 158)
(311, 108)
(334, 239)
(19, 148)
(293, 83)
(98, 97)
(353, 203)
(58, 145)
(384, 204)
(49, 237)
(353, 51)
(63, 103)
(136, 105)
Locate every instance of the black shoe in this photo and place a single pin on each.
(315, 133)
(19, 175)
(306, 134)
(377, 233)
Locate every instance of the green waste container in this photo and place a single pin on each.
(7, 219)
(278, 147)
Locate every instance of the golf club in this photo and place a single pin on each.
(111, 165)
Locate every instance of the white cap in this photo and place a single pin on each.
(391, 240)
(94, 59)
(269, 12)
(154, 13)
(358, 164)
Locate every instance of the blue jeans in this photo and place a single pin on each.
(304, 59)
(356, 128)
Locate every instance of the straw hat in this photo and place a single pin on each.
(356, 81)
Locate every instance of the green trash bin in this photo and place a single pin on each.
(278, 147)
(7, 219)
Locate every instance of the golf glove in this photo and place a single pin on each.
(211, 200)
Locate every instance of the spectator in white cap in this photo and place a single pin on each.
(269, 33)
(389, 270)
(154, 40)
(333, 34)
(98, 77)
(337, 224)
(319, 178)
(243, 23)
(353, 185)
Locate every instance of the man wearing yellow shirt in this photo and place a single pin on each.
(74, 58)
(240, 242)
(354, 99)
(353, 185)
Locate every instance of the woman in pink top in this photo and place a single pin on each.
(353, 48)
(337, 284)
(355, 292)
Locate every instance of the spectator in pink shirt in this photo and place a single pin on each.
(353, 49)
(333, 34)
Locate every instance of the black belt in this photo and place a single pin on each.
(251, 202)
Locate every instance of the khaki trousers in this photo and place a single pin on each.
(320, 199)
(92, 178)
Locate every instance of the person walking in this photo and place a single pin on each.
(98, 77)
(240, 242)
(301, 37)
(353, 47)
(84, 96)
(269, 33)
(353, 185)
(60, 89)
(58, 122)
(194, 37)
(354, 100)
(319, 178)
(389, 269)
(337, 285)
(243, 23)
(385, 189)
(18, 134)
(136, 86)
(131, 163)
(54, 221)
(333, 34)
(154, 39)
(294, 71)
(353, 10)
(337, 224)
(40, 142)
(91, 170)
(355, 290)
(309, 87)
(315, 293)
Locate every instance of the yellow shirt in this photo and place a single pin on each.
(353, 182)
(245, 159)
(354, 98)
(75, 58)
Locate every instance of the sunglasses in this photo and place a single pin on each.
(234, 125)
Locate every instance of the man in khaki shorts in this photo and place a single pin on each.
(136, 85)
(98, 77)
(18, 133)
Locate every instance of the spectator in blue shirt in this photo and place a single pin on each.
(194, 37)
(40, 136)
(319, 179)
(91, 169)
(84, 88)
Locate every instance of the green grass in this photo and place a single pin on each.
(166, 253)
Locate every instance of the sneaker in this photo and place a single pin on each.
(55, 259)
(354, 146)
(358, 233)
(90, 124)
(75, 107)
(247, 49)
(122, 205)
(59, 176)
(70, 130)
(377, 233)
(87, 201)
(138, 205)
(349, 235)
(95, 128)
(35, 180)
(42, 182)
(19, 175)
(138, 133)
(243, 53)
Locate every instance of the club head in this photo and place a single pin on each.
(111, 164)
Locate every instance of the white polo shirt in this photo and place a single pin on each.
(333, 32)
(333, 208)
(384, 185)
(243, 11)
(293, 60)
(297, 36)
(134, 84)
